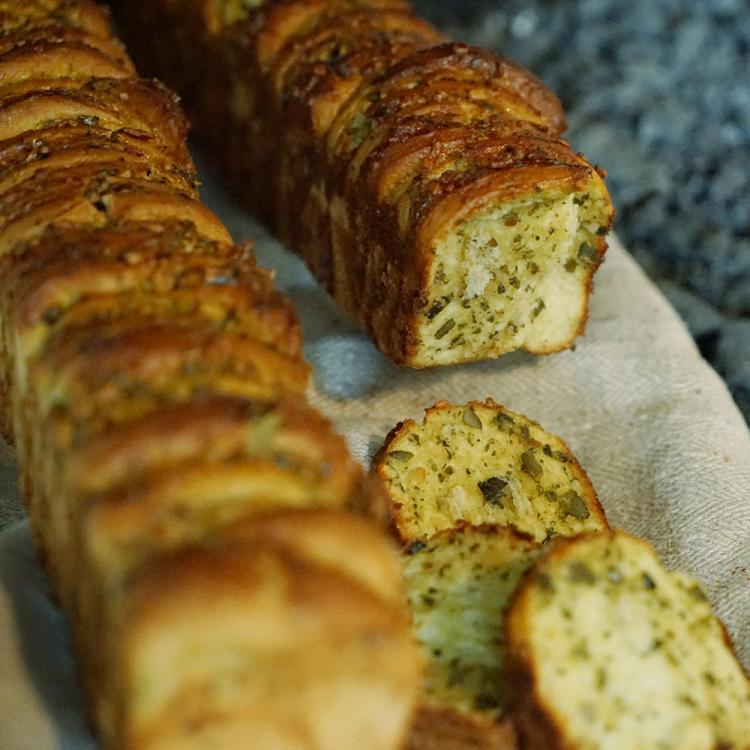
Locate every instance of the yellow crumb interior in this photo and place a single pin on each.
(483, 465)
(631, 655)
(513, 276)
(458, 588)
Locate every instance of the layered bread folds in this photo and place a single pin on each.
(425, 183)
(191, 509)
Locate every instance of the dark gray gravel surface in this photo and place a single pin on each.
(657, 92)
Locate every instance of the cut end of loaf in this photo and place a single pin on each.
(482, 464)
(514, 275)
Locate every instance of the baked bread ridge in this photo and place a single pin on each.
(424, 183)
(181, 491)
(481, 463)
(608, 648)
(243, 586)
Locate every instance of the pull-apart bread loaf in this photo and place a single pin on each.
(474, 493)
(608, 649)
(425, 183)
(191, 509)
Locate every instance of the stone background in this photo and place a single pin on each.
(657, 92)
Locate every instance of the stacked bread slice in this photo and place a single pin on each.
(474, 491)
(459, 583)
(539, 625)
(425, 183)
(190, 508)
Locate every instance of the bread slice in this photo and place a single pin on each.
(610, 650)
(459, 583)
(484, 464)
(455, 486)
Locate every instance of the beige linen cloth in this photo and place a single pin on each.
(651, 422)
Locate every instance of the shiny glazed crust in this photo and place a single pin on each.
(193, 512)
(396, 163)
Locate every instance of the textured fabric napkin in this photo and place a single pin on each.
(651, 422)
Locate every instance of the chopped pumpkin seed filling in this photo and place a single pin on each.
(637, 659)
(459, 585)
(480, 464)
(512, 276)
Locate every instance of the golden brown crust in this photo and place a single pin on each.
(179, 486)
(63, 143)
(62, 35)
(441, 729)
(88, 368)
(34, 58)
(69, 277)
(361, 135)
(114, 103)
(325, 538)
(214, 428)
(54, 14)
(230, 587)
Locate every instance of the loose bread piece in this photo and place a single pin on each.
(424, 183)
(191, 509)
(610, 650)
(467, 467)
(459, 583)
(483, 464)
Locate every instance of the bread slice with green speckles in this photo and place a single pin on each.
(456, 485)
(608, 649)
(459, 583)
(483, 464)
